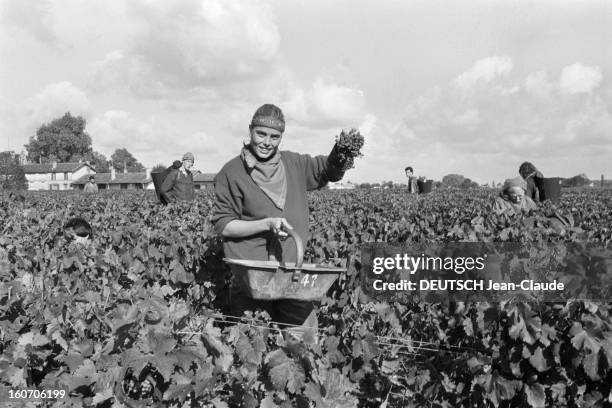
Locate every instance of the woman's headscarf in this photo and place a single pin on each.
(514, 182)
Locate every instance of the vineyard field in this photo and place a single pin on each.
(139, 316)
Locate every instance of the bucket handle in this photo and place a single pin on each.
(300, 254)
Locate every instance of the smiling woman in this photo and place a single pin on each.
(512, 198)
(261, 194)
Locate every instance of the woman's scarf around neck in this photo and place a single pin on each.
(269, 175)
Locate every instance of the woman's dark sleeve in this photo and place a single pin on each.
(319, 171)
(228, 203)
(538, 180)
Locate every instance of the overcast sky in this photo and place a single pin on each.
(468, 87)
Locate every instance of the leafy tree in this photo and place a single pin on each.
(122, 158)
(579, 180)
(100, 162)
(452, 180)
(12, 176)
(467, 183)
(458, 181)
(63, 139)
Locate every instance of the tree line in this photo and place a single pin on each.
(63, 140)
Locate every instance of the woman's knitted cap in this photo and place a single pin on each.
(270, 116)
(514, 182)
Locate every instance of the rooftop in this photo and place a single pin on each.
(120, 178)
(204, 177)
(33, 168)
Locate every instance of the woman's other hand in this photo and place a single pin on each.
(278, 226)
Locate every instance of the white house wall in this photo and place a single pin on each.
(42, 181)
(81, 172)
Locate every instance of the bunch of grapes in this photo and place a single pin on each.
(131, 385)
(138, 390)
(146, 389)
(348, 146)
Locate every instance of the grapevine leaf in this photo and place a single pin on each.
(593, 399)
(34, 338)
(607, 348)
(102, 396)
(365, 347)
(178, 391)
(158, 343)
(287, 374)
(497, 388)
(548, 334)
(538, 361)
(526, 324)
(16, 377)
(558, 392)
(423, 378)
(87, 369)
(223, 355)
(591, 366)
(390, 366)
(276, 357)
(334, 355)
(178, 273)
(245, 351)
(536, 397)
(582, 339)
(268, 402)
(468, 327)
(73, 361)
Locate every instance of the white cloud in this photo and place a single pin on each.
(326, 104)
(539, 119)
(33, 17)
(151, 140)
(55, 100)
(578, 78)
(538, 84)
(468, 118)
(485, 71)
(189, 44)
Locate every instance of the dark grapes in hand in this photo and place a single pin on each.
(348, 146)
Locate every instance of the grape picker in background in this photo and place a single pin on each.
(534, 179)
(512, 199)
(178, 183)
(91, 186)
(78, 230)
(262, 192)
(413, 187)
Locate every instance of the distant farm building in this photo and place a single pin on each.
(341, 186)
(118, 181)
(203, 181)
(55, 176)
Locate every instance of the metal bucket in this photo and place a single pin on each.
(271, 280)
(425, 186)
(551, 189)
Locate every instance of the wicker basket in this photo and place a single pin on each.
(270, 280)
(158, 179)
